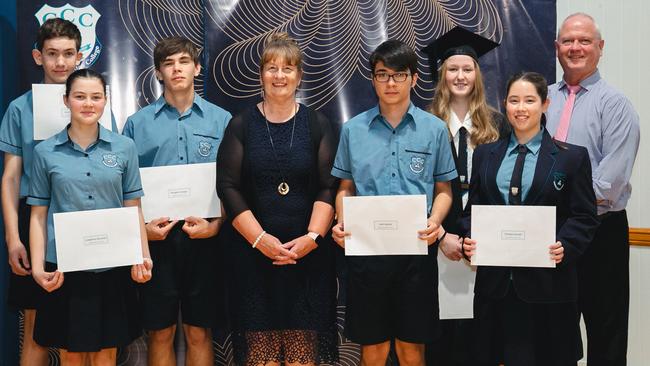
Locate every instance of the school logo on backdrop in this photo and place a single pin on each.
(417, 164)
(204, 148)
(110, 160)
(86, 20)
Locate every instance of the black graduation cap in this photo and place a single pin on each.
(458, 41)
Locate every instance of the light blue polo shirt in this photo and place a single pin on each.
(165, 137)
(382, 160)
(504, 174)
(67, 178)
(17, 135)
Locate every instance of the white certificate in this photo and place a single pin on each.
(514, 236)
(385, 225)
(50, 113)
(455, 288)
(97, 239)
(179, 191)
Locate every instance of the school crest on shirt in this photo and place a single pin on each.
(85, 19)
(110, 160)
(417, 164)
(204, 148)
(559, 180)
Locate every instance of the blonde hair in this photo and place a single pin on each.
(484, 130)
(281, 45)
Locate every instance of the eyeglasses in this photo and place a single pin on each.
(398, 77)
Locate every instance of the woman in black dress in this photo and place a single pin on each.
(273, 178)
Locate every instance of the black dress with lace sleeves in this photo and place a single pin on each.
(279, 313)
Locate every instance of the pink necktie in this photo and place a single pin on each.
(565, 119)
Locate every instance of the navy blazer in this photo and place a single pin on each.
(562, 179)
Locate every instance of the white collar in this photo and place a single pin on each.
(455, 124)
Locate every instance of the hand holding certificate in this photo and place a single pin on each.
(96, 239)
(513, 236)
(385, 225)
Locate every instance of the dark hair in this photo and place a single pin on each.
(57, 27)
(86, 74)
(171, 46)
(396, 55)
(538, 81)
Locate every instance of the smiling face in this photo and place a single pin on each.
(177, 72)
(524, 108)
(460, 75)
(59, 57)
(280, 79)
(86, 100)
(579, 48)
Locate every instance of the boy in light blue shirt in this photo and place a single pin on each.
(394, 148)
(179, 128)
(57, 51)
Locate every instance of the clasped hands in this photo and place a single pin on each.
(285, 253)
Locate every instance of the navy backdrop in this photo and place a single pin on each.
(336, 37)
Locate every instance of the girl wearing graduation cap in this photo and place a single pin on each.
(86, 314)
(460, 101)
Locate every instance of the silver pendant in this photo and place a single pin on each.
(283, 188)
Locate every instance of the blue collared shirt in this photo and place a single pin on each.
(382, 160)
(605, 122)
(504, 175)
(67, 178)
(17, 135)
(165, 137)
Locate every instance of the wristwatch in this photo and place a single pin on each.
(315, 237)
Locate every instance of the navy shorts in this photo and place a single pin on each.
(183, 280)
(392, 297)
(24, 292)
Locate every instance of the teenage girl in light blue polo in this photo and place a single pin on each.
(84, 167)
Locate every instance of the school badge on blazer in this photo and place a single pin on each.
(110, 160)
(204, 148)
(559, 180)
(417, 164)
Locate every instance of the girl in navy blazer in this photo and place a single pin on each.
(528, 316)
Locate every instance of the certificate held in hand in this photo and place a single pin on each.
(180, 191)
(385, 225)
(94, 239)
(513, 236)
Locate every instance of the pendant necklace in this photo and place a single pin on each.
(283, 187)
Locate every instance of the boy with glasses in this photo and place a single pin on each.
(394, 148)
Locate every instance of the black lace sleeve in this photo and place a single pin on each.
(327, 183)
(230, 160)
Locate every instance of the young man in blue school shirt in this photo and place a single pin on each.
(394, 148)
(179, 128)
(57, 51)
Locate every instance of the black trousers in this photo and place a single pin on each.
(604, 291)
